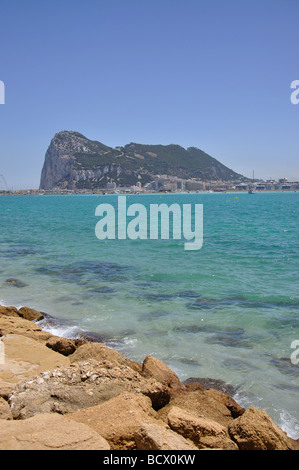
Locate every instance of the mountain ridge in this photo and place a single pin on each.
(73, 161)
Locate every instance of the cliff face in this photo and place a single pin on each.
(73, 161)
(58, 169)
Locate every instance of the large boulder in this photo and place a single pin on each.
(10, 325)
(157, 437)
(63, 346)
(49, 432)
(101, 352)
(30, 314)
(157, 369)
(9, 311)
(201, 405)
(119, 418)
(81, 385)
(235, 409)
(255, 430)
(204, 433)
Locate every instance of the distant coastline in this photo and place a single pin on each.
(37, 192)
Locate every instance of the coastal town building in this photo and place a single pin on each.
(168, 184)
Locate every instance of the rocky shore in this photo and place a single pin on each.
(62, 394)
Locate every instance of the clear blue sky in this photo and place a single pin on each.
(214, 74)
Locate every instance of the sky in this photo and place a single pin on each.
(212, 74)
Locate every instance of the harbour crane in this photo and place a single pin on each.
(5, 184)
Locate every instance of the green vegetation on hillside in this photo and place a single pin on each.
(155, 159)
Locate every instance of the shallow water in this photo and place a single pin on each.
(228, 311)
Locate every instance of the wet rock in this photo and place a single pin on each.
(235, 409)
(255, 430)
(64, 346)
(15, 283)
(189, 294)
(9, 311)
(207, 383)
(30, 314)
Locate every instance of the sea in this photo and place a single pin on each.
(228, 311)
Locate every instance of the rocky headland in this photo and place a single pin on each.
(73, 161)
(79, 394)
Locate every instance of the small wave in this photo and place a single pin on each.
(56, 329)
(289, 424)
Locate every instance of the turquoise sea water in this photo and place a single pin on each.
(228, 311)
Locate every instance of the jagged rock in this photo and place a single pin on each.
(255, 430)
(30, 314)
(201, 405)
(157, 437)
(10, 325)
(119, 418)
(155, 368)
(204, 433)
(82, 385)
(63, 346)
(9, 311)
(101, 352)
(235, 409)
(49, 432)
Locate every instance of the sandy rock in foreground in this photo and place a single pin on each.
(24, 359)
(30, 314)
(255, 430)
(79, 386)
(107, 393)
(118, 419)
(15, 325)
(9, 311)
(49, 432)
